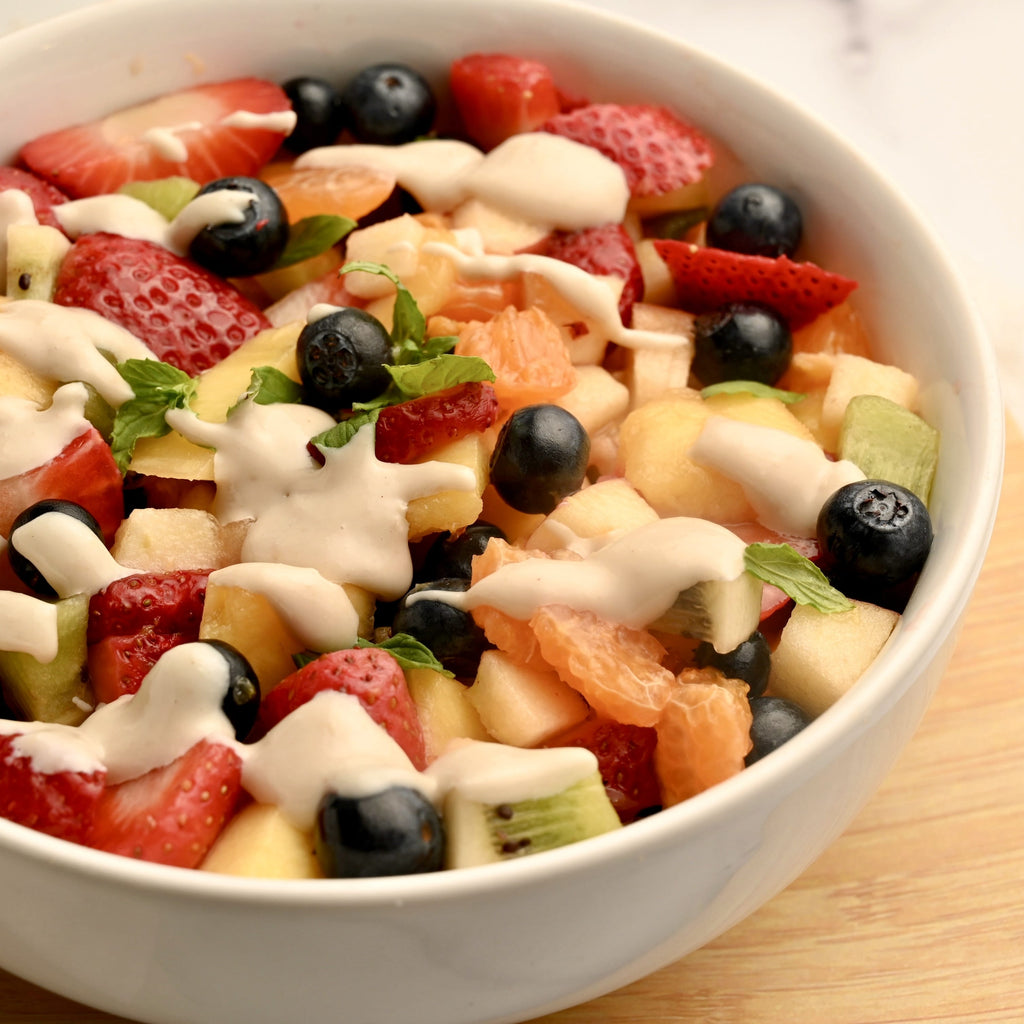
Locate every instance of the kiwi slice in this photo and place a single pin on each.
(168, 196)
(722, 612)
(886, 441)
(35, 253)
(56, 691)
(478, 833)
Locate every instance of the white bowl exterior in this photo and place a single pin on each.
(515, 941)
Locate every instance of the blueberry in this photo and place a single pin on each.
(775, 721)
(876, 536)
(341, 359)
(319, 111)
(741, 341)
(756, 219)
(242, 698)
(250, 246)
(451, 633)
(452, 554)
(394, 832)
(23, 568)
(751, 662)
(388, 104)
(541, 456)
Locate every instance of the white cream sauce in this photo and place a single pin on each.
(15, 208)
(30, 437)
(786, 478)
(28, 625)
(167, 142)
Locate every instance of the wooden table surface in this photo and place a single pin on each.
(916, 914)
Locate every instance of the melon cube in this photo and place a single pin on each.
(444, 709)
(596, 399)
(521, 706)
(652, 372)
(452, 510)
(165, 539)
(260, 842)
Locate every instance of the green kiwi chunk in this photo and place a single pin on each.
(35, 253)
(722, 612)
(168, 196)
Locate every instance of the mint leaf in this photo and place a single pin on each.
(341, 433)
(414, 380)
(796, 576)
(311, 236)
(158, 387)
(408, 652)
(753, 387)
(267, 386)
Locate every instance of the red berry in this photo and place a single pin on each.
(657, 151)
(161, 602)
(410, 430)
(98, 157)
(43, 195)
(58, 803)
(368, 673)
(498, 95)
(706, 279)
(118, 664)
(187, 316)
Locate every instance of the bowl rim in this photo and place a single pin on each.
(881, 686)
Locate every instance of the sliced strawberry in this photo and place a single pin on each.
(161, 602)
(118, 664)
(58, 803)
(605, 250)
(706, 279)
(140, 143)
(368, 673)
(772, 598)
(498, 95)
(410, 430)
(625, 758)
(657, 151)
(84, 472)
(187, 316)
(172, 814)
(43, 195)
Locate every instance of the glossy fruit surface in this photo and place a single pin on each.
(451, 634)
(775, 721)
(742, 341)
(541, 456)
(242, 696)
(750, 662)
(23, 568)
(877, 535)
(452, 554)
(388, 104)
(756, 219)
(319, 111)
(394, 832)
(341, 359)
(250, 247)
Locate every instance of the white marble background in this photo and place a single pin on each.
(931, 90)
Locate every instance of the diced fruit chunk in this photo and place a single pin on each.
(260, 842)
(444, 709)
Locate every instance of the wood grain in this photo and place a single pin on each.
(916, 914)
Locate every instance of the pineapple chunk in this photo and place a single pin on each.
(655, 440)
(444, 710)
(652, 372)
(165, 539)
(18, 381)
(521, 706)
(260, 842)
(762, 412)
(499, 232)
(658, 284)
(820, 656)
(596, 399)
(452, 510)
(516, 525)
(250, 623)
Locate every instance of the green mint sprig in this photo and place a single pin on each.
(406, 650)
(311, 236)
(796, 576)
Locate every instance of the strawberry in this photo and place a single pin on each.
(58, 803)
(187, 316)
(83, 472)
(605, 250)
(43, 195)
(498, 95)
(772, 598)
(657, 151)
(706, 279)
(118, 664)
(625, 758)
(368, 673)
(171, 815)
(161, 602)
(138, 144)
(408, 431)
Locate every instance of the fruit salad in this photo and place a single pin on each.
(389, 488)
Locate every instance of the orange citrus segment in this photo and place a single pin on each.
(342, 191)
(837, 331)
(526, 352)
(479, 300)
(617, 669)
(703, 734)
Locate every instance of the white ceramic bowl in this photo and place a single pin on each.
(513, 941)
